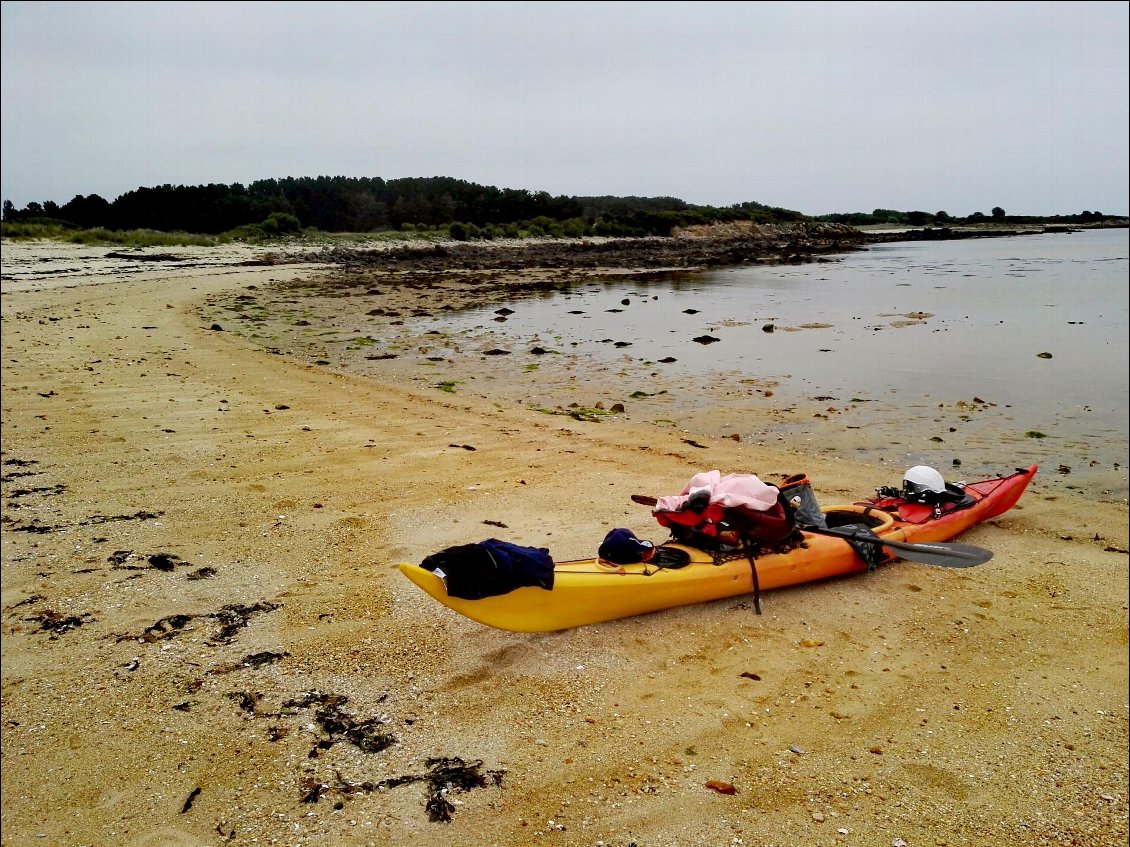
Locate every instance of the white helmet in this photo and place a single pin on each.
(922, 479)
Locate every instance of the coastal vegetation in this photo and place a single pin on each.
(413, 208)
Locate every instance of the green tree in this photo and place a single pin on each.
(998, 213)
(92, 211)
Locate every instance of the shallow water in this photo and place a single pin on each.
(977, 354)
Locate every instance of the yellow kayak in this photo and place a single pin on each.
(589, 591)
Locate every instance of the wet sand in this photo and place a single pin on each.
(206, 640)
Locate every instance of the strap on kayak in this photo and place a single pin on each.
(749, 551)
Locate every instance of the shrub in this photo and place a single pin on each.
(281, 223)
(574, 228)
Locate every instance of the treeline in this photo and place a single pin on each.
(453, 207)
(362, 205)
(996, 216)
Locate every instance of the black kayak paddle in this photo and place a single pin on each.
(942, 554)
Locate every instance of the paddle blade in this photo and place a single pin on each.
(945, 555)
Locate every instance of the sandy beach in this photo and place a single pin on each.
(206, 641)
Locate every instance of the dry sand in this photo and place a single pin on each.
(203, 627)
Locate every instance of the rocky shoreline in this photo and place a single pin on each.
(799, 243)
(714, 246)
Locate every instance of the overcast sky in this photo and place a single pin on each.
(817, 107)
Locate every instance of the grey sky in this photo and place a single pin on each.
(818, 107)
